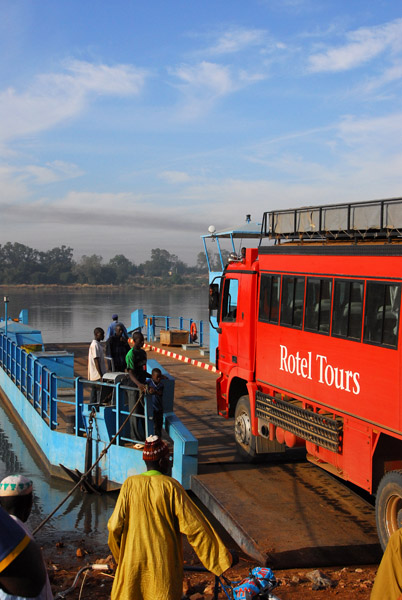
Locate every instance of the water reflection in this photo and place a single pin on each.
(81, 514)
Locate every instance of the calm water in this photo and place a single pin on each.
(71, 316)
(82, 516)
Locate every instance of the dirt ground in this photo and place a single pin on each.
(65, 560)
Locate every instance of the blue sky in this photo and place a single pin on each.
(131, 125)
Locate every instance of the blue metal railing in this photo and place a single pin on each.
(154, 324)
(39, 385)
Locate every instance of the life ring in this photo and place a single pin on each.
(193, 332)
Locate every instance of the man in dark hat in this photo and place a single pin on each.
(151, 513)
(112, 327)
(16, 496)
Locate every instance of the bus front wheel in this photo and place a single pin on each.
(388, 506)
(245, 440)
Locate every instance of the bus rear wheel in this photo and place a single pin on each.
(245, 440)
(388, 506)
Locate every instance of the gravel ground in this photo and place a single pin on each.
(64, 561)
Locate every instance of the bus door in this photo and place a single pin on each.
(236, 340)
(246, 308)
(228, 327)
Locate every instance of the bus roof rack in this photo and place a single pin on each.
(371, 220)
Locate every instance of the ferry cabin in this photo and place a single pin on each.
(310, 354)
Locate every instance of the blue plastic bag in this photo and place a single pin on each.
(261, 580)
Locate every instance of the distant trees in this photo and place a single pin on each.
(214, 260)
(21, 264)
(57, 265)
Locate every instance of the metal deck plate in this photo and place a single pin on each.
(290, 514)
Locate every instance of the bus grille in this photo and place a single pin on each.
(306, 424)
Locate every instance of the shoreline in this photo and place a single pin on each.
(106, 287)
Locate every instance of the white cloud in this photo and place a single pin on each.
(384, 132)
(52, 172)
(17, 177)
(55, 97)
(175, 176)
(236, 40)
(389, 75)
(12, 185)
(204, 83)
(215, 79)
(362, 45)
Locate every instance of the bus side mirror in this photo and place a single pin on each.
(213, 297)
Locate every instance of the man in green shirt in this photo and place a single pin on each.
(136, 361)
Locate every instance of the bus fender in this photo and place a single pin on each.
(252, 389)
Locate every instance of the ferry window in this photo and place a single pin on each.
(318, 305)
(348, 309)
(269, 298)
(292, 301)
(229, 303)
(381, 317)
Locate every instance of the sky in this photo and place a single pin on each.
(132, 125)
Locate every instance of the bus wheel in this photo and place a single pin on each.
(245, 440)
(388, 506)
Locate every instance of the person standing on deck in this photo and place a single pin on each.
(96, 362)
(155, 385)
(16, 498)
(112, 328)
(136, 362)
(151, 513)
(116, 349)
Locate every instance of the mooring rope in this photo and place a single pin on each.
(84, 475)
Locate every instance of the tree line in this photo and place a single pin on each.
(21, 264)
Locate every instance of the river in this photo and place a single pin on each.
(70, 316)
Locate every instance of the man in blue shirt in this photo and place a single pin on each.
(112, 327)
(22, 571)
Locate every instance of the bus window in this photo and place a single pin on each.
(381, 317)
(229, 303)
(269, 298)
(318, 305)
(292, 301)
(348, 309)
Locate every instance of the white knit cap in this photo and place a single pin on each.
(15, 485)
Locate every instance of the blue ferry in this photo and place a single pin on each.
(52, 409)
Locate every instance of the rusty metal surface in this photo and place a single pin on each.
(294, 514)
(287, 513)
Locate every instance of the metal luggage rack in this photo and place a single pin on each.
(350, 222)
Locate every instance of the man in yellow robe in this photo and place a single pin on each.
(388, 581)
(151, 513)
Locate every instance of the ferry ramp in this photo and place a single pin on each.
(283, 512)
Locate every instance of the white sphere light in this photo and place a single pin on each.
(211, 229)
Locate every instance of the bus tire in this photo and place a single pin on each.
(245, 440)
(388, 506)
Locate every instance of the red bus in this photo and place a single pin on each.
(310, 346)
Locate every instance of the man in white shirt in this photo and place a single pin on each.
(96, 362)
